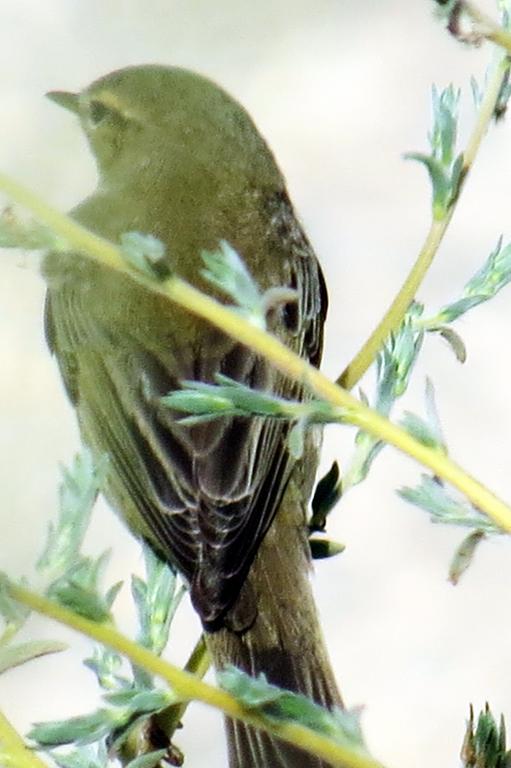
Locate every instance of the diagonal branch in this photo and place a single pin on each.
(393, 318)
(232, 323)
(188, 687)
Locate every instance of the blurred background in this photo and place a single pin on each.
(340, 90)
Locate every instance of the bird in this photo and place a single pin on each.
(224, 502)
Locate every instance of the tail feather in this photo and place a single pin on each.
(284, 641)
(251, 748)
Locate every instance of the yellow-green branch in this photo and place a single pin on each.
(487, 28)
(168, 720)
(394, 316)
(14, 753)
(198, 664)
(188, 687)
(269, 347)
(354, 412)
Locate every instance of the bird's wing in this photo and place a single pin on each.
(204, 495)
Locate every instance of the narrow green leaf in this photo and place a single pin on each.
(226, 270)
(85, 602)
(146, 254)
(280, 705)
(78, 490)
(14, 614)
(15, 655)
(420, 430)
(464, 555)
(84, 757)
(138, 700)
(455, 342)
(326, 495)
(29, 235)
(440, 182)
(149, 760)
(322, 549)
(84, 729)
(431, 496)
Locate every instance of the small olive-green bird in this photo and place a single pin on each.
(224, 502)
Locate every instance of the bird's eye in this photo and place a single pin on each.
(97, 112)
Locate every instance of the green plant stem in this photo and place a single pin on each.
(188, 687)
(146, 736)
(352, 411)
(185, 295)
(14, 753)
(393, 318)
(198, 664)
(487, 28)
(485, 114)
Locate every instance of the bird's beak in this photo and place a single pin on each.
(65, 99)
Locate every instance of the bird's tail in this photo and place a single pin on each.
(283, 641)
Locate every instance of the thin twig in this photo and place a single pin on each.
(487, 28)
(198, 664)
(188, 687)
(233, 324)
(394, 316)
(14, 753)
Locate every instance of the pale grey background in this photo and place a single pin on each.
(341, 91)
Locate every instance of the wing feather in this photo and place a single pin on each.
(204, 495)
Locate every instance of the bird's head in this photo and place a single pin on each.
(160, 118)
